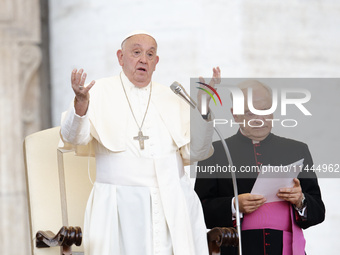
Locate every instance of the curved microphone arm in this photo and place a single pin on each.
(233, 176)
(180, 91)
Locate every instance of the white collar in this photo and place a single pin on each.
(128, 85)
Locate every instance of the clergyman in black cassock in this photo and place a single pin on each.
(249, 148)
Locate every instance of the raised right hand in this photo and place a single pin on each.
(249, 202)
(82, 95)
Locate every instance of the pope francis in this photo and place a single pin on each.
(142, 202)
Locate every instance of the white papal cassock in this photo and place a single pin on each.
(142, 202)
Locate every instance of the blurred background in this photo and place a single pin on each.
(42, 41)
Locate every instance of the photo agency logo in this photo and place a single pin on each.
(209, 93)
(306, 106)
(245, 101)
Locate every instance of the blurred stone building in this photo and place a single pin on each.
(24, 109)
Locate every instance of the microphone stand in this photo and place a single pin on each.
(180, 91)
(233, 176)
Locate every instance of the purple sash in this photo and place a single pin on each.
(279, 216)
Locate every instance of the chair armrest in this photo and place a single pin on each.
(218, 237)
(66, 237)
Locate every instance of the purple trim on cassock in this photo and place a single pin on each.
(279, 216)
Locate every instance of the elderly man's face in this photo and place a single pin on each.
(138, 58)
(259, 127)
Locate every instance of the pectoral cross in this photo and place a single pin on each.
(141, 139)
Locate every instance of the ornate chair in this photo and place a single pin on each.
(58, 187)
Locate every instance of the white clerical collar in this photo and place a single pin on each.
(130, 86)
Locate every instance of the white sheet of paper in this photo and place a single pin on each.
(273, 178)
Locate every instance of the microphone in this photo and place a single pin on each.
(180, 91)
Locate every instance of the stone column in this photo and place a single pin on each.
(20, 114)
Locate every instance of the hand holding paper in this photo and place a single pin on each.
(249, 202)
(272, 179)
(292, 195)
